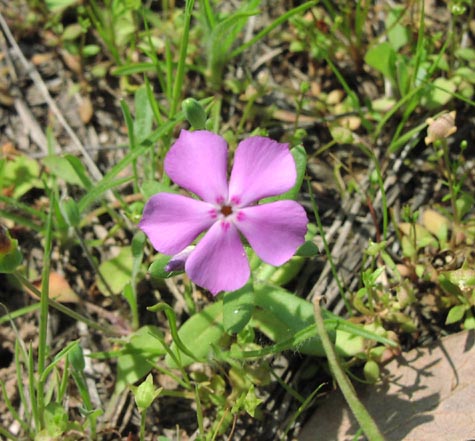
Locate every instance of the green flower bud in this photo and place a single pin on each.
(145, 394)
(371, 371)
(194, 113)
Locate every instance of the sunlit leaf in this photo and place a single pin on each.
(136, 358)
(382, 58)
(116, 272)
(456, 314)
(237, 309)
(200, 333)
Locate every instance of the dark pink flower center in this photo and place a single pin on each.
(226, 210)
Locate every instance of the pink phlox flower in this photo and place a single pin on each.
(197, 161)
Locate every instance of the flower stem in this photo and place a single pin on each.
(143, 419)
(180, 73)
(364, 419)
(43, 325)
(328, 253)
(450, 181)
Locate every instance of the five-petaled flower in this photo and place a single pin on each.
(198, 163)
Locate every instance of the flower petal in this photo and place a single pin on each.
(274, 230)
(177, 262)
(197, 162)
(262, 168)
(172, 221)
(219, 262)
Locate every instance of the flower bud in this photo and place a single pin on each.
(441, 127)
(371, 371)
(194, 113)
(177, 262)
(145, 394)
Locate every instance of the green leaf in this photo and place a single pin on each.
(289, 320)
(348, 344)
(151, 187)
(10, 255)
(251, 402)
(456, 314)
(133, 68)
(199, 334)
(398, 35)
(56, 419)
(108, 181)
(59, 5)
(68, 168)
(448, 286)
(237, 308)
(194, 113)
(465, 53)
(129, 295)
(72, 31)
(76, 358)
(469, 322)
(157, 268)
(20, 175)
(70, 211)
(464, 278)
(9, 262)
(137, 357)
(90, 50)
(308, 249)
(143, 115)
(440, 92)
(464, 203)
(287, 272)
(116, 271)
(382, 58)
(222, 37)
(280, 315)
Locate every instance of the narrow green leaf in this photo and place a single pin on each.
(133, 68)
(200, 333)
(108, 181)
